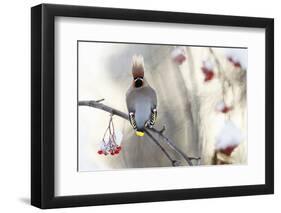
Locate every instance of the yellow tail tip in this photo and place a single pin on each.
(140, 134)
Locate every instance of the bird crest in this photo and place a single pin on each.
(138, 66)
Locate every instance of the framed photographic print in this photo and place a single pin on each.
(139, 106)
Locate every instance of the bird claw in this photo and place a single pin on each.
(148, 124)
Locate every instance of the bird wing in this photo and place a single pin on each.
(130, 100)
(153, 98)
(141, 104)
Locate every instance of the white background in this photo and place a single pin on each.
(15, 106)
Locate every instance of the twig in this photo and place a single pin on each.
(223, 79)
(220, 71)
(163, 129)
(174, 162)
(103, 107)
(216, 60)
(174, 147)
(119, 113)
(100, 100)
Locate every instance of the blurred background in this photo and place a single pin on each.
(201, 95)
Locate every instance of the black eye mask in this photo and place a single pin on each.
(138, 82)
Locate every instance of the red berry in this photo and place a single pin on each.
(230, 59)
(116, 152)
(118, 148)
(226, 109)
(205, 70)
(237, 64)
(209, 76)
(100, 152)
(228, 150)
(112, 153)
(179, 59)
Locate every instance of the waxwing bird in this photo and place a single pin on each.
(141, 99)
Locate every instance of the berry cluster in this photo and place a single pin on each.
(111, 142)
(234, 61)
(111, 150)
(178, 55)
(207, 70)
(222, 107)
(228, 138)
(228, 150)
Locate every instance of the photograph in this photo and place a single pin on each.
(160, 105)
(133, 105)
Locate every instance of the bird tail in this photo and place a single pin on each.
(139, 133)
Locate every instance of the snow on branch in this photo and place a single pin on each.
(97, 104)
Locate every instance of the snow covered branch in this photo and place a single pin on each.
(97, 104)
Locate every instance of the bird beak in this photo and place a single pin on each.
(139, 134)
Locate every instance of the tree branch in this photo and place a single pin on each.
(174, 162)
(173, 146)
(98, 105)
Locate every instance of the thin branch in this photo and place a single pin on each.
(121, 114)
(220, 71)
(100, 100)
(174, 147)
(103, 107)
(223, 79)
(163, 129)
(174, 162)
(216, 60)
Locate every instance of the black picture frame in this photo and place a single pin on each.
(43, 102)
